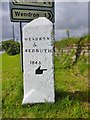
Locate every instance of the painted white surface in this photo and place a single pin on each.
(38, 42)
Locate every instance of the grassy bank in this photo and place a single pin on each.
(74, 40)
(70, 88)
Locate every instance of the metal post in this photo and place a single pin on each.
(13, 32)
(21, 47)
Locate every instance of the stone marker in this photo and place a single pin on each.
(38, 61)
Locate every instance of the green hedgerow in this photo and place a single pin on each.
(11, 47)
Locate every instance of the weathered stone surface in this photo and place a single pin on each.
(38, 61)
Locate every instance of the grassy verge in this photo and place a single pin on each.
(70, 88)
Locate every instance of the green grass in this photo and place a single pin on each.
(0, 87)
(73, 40)
(70, 89)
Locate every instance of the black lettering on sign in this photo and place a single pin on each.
(45, 50)
(37, 39)
(38, 50)
(35, 62)
(33, 50)
(26, 14)
(29, 39)
(29, 50)
(47, 38)
(26, 39)
(40, 38)
(43, 38)
(34, 45)
(17, 13)
(25, 50)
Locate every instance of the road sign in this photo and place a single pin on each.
(31, 3)
(27, 11)
(27, 15)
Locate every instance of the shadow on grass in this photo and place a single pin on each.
(77, 95)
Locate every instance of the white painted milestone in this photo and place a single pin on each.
(38, 61)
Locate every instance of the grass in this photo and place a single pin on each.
(70, 89)
(73, 40)
(0, 87)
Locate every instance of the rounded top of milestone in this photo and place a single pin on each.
(39, 21)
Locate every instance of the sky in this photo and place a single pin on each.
(69, 14)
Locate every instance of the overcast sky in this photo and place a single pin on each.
(68, 15)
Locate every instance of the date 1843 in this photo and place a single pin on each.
(35, 62)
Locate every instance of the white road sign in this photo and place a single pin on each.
(26, 11)
(45, 3)
(25, 15)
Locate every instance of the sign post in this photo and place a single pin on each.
(21, 46)
(27, 11)
(36, 48)
(22, 11)
(38, 3)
